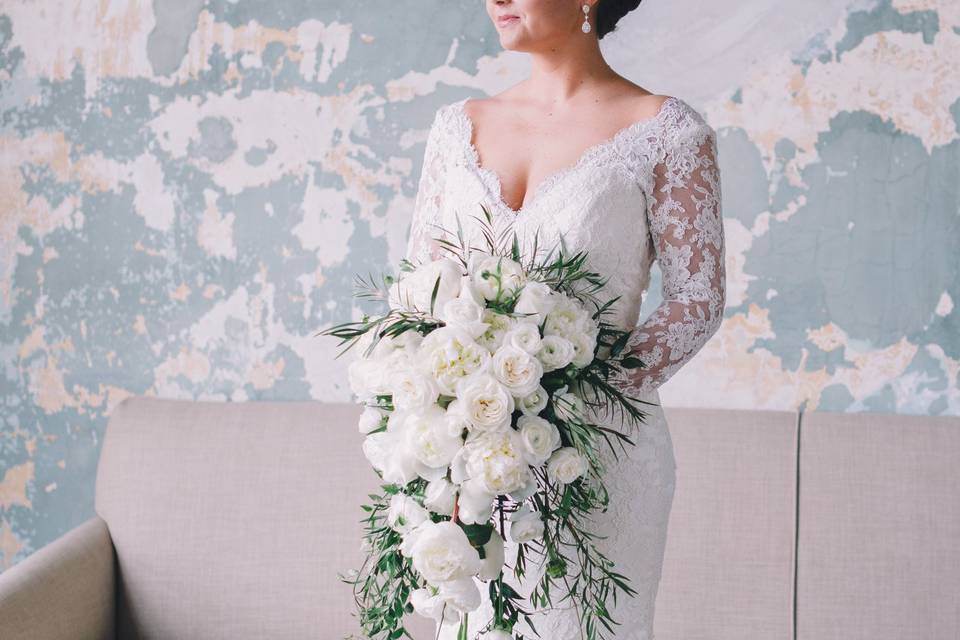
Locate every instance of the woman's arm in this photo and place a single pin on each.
(428, 204)
(684, 214)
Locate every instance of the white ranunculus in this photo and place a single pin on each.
(496, 460)
(568, 406)
(405, 513)
(537, 299)
(526, 525)
(584, 346)
(498, 326)
(566, 464)
(439, 496)
(485, 402)
(484, 273)
(493, 557)
(524, 335)
(442, 552)
(555, 352)
(517, 370)
(414, 390)
(540, 438)
(533, 403)
(371, 419)
(475, 503)
(412, 291)
(449, 354)
(462, 595)
(429, 438)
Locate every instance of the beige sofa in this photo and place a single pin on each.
(232, 521)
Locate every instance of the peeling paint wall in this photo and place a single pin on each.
(189, 188)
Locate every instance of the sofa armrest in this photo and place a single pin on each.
(64, 590)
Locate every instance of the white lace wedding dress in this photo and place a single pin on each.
(651, 191)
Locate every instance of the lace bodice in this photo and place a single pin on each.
(651, 191)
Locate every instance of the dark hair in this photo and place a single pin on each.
(609, 13)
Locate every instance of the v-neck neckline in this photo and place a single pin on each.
(493, 179)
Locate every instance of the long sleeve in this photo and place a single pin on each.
(686, 227)
(428, 203)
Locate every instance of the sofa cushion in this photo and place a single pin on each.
(728, 563)
(232, 520)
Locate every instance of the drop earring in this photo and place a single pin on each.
(585, 27)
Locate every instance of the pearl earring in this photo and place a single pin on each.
(585, 27)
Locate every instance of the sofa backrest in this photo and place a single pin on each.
(233, 520)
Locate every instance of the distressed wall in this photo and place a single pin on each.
(189, 188)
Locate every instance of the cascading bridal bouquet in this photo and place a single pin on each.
(478, 385)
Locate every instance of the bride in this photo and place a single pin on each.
(626, 175)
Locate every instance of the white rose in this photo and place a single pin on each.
(371, 419)
(413, 290)
(517, 370)
(537, 299)
(442, 552)
(429, 438)
(414, 390)
(535, 402)
(568, 406)
(555, 352)
(475, 502)
(498, 326)
(485, 402)
(493, 557)
(439, 496)
(484, 273)
(584, 346)
(526, 525)
(540, 438)
(566, 465)
(464, 312)
(405, 513)
(496, 460)
(448, 355)
(524, 335)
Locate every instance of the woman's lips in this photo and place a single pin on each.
(505, 20)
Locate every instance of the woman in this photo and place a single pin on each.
(629, 176)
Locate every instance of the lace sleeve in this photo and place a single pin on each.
(684, 213)
(428, 203)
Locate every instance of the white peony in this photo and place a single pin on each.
(485, 402)
(429, 439)
(371, 419)
(439, 496)
(533, 403)
(457, 419)
(448, 355)
(524, 335)
(526, 525)
(525, 492)
(498, 326)
(414, 390)
(442, 552)
(465, 313)
(462, 595)
(566, 465)
(432, 605)
(537, 299)
(405, 513)
(475, 502)
(413, 290)
(493, 557)
(540, 438)
(496, 276)
(555, 352)
(569, 317)
(496, 460)
(517, 370)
